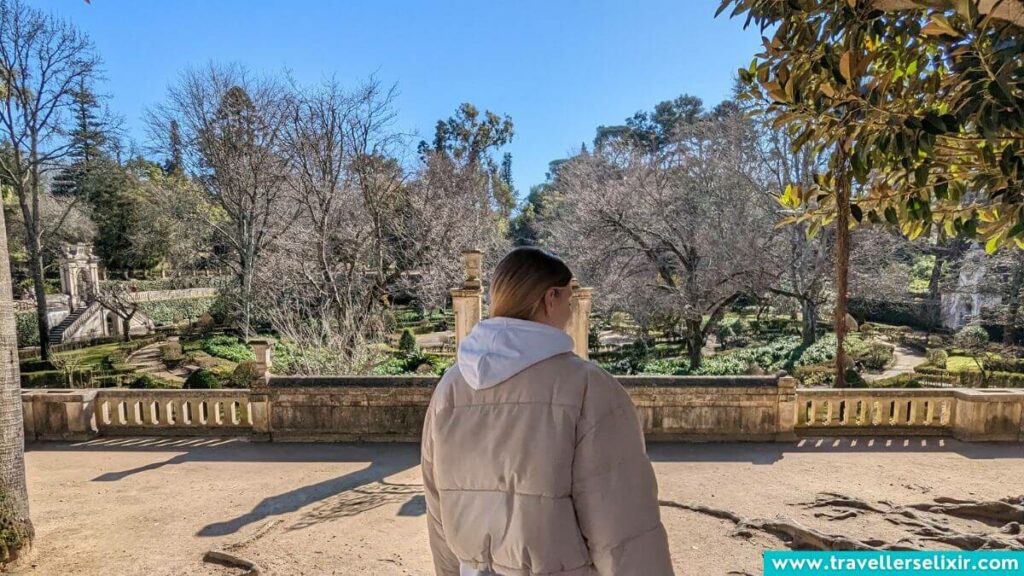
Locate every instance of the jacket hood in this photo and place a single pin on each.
(499, 348)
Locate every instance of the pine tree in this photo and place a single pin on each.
(88, 139)
(173, 164)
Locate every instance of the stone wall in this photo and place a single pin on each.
(391, 408)
(99, 322)
(181, 294)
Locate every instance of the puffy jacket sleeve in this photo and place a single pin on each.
(614, 489)
(445, 562)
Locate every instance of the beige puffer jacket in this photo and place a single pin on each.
(534, 463)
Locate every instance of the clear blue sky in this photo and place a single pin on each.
(558, 68)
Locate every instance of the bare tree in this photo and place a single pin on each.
(44, 60)
(342, 258)
(687, 216)
(803, 264)
(230, 128)
(448, 212)
(119, 299)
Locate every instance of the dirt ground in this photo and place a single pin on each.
(156, 506)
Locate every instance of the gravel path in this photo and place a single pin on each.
(156, 506)
(146, 360)
(904, 361)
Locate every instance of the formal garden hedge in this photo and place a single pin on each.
(786, 353)
(27, 328)
(178, 283)
(921, 313)
(165, 312)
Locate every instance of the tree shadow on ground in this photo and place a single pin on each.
(344, 496)
(356, 501)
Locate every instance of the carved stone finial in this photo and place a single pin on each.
(472, 263)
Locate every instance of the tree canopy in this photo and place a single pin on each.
(919, 104)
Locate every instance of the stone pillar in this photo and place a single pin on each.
(786, 423)
(61, 415)
(259, 394)
(467, 300)
(579, 322)
(29, 418)
(262, 349)
(988, 415)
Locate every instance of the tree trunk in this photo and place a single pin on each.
(39, 285)
(809, 331)
(126, 328)
(1013, 303)
(695, 343)
(936, 276)
(842, 266)
(16, 532)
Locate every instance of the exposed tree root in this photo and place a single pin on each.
(1001, 511)
(260, 533)
(842, 501)
(701, 509)
(800, 537)
(228, 559)
(927, 522)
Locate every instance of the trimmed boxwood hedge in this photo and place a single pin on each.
(202, 380)
(27, 328)
(164, 312)
(917, 313)
(972, 378)
(56, 379)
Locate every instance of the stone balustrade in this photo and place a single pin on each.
(869, 411)
(175, 294)
(966, 414)
(391, 408)
(83, 414)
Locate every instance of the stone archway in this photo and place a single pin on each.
(112, 324)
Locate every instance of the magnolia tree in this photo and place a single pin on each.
(916, 104)
(685, 223)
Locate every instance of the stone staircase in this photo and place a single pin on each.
(57, 332)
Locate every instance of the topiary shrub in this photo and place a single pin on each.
(937, 357)
(825, 375)
(899, 381)
(1002, 364)
(171, 354)
(637, 354)
(228, 348)
(971, 338)
(25, 324)
(878, 356)
(815, 375)
(407, 343)
(202, 380)
(150, 382)
(244, 374)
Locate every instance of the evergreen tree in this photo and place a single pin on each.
(88, 139)
(174, 163)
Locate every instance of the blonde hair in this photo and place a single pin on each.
(521, 279)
